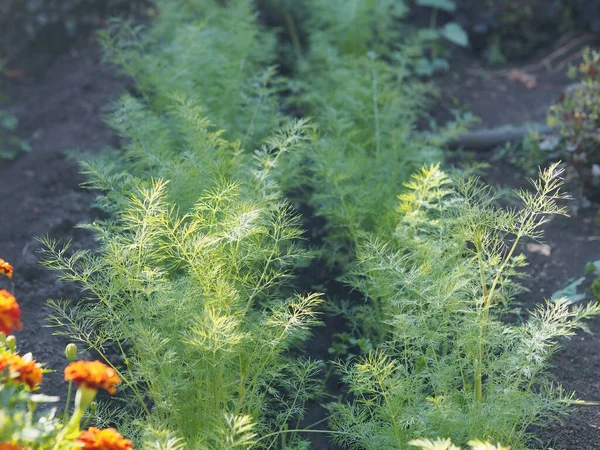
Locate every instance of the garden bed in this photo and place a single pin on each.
(61, 110)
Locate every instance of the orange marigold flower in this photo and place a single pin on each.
(4, 446)
(93, 375)
(108, 439)
(6, 269)
(10, 313)
(23, 369)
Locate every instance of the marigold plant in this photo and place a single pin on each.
(10, 312)
(24, 426)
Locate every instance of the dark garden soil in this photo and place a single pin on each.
(60, 110)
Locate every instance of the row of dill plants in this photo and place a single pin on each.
(190, 291)
(192, 283)
(437, 265)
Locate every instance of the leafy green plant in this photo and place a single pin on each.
(593, 269)
(451, 31)
(347, 346)
(447, 363)
(10, 144)
(576, 116)
(569, 291)
(535, 149)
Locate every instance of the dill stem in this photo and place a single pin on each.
(487, 304)
(287, 418)
(376, 113)
(125, 379)
(391, 413)
(215, 386)
(291, 26)
(433, 19)
(258, 287)
(478, 373)
(241, 387)
(433, 26)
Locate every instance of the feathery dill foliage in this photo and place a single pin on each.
(355, 80)
(210, 51)
(448, 364)
(196, 301)
(190, 282)
(182, 146)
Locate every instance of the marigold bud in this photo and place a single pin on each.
(11, 342)
(71, 352)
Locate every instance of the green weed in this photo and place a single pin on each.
(10, 144)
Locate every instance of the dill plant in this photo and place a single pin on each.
(214, 53)
(190, 283)
(357, 80)
(449, 364)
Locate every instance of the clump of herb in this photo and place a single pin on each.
(195, 296)
(447, 362)
(359, 87)
(212, 52)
